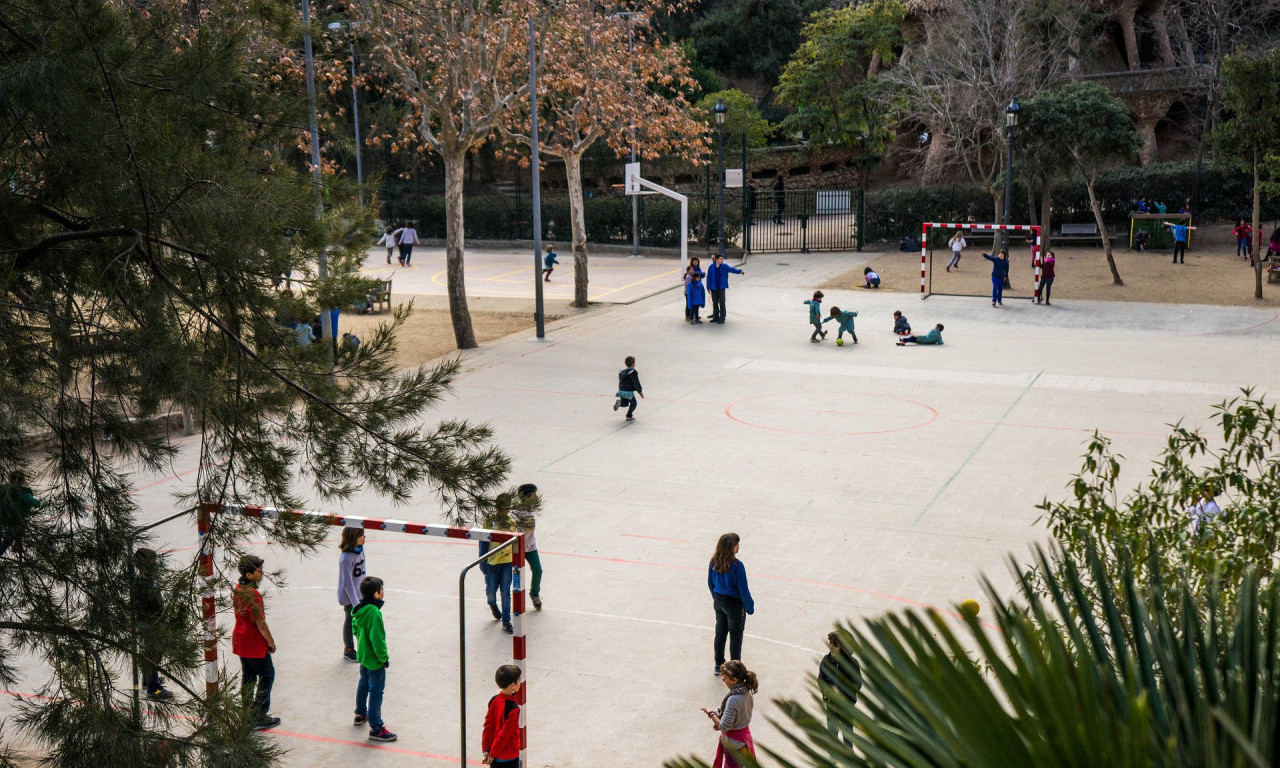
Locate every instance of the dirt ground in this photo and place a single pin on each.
(1211, 276)
(428, 333)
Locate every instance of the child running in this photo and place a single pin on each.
(900, 324)
(549, 263)
(815, 317)
(957, 244)
(500, 739)
(351, 570)
(374, 659)
(870, 279)
(845, 319)
(932, 337)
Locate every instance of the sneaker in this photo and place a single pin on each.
(267, 723)
(159, 693)
(902, 343)
(631, 418)
(717, 672)
(824, 334)
(497, 614)
(815, 341)
(360, 720)
(617, 404)
(506, 627)
(537, 603)
(382, 734)
(350, 654)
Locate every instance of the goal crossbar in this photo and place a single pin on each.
(1032, 229)
(206, 511)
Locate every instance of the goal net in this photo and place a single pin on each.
(972, 275)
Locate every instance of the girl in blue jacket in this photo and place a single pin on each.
(815, 316)
(727, 580)
(695, 297)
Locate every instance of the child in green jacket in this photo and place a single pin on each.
(371, 652)
(815, 317)
(845, 319)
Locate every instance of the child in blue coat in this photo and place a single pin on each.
(845, 319)
(695, 297)
(900, 324)
(549, 263)
(815, 317)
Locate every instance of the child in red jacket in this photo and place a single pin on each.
(501, 738)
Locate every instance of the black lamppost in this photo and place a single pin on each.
(720, 110)
(1010, 122)
(536, 183)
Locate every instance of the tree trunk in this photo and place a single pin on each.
(1125, 17)
(1089, 181)
(1257, 224)
(454, 168)
(873, 68)
(578, 226)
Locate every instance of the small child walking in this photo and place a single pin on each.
(900, 324)
(845, 318)
(628, 388)
(815, 317)
(549, 263)
(500, 739)
(957, 244)
(351, 569)
(388, 240)
(870, 279)
(695, 297)
(374, 658)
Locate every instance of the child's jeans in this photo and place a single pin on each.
(369, 695)
(498, 577)
(505, 763)
(1242, 246)
(693, 313)
(256, 678)
(817, 330)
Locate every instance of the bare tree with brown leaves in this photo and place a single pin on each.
(591, 88)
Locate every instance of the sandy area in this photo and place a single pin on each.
(1210, 276)
(428, 333)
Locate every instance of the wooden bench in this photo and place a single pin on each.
(1077, 232)
(379, 300)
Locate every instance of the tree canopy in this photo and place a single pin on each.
(159, 245)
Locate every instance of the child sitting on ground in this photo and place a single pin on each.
(845, 319)
(932, 337)
(815, 317)
(900, 324)
(870, 278)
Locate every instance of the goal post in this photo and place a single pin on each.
(966, 284)
(519, 645)
(635, 184)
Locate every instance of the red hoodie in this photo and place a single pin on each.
(501, 737)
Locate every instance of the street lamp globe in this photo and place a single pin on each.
(1011, 113)
(720, 109)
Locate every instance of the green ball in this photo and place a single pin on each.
(839, 342)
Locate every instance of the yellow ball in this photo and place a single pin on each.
(970, 608)
(839, 342)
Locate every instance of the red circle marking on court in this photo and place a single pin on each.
(728, 411)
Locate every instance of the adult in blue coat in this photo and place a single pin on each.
(999, 273)
(717, 283)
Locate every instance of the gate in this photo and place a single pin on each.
(803, 220)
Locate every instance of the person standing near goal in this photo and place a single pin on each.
(999, 274)
(251, 640)
(524, 513)
(957, 244)
(351, 570)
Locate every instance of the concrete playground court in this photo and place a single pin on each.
(508, 273)
(863, 479)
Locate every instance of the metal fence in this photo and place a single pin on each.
(802, 221)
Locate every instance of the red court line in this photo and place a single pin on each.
(656, 538)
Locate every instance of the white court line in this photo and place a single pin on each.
(1021, 380)
(587, 613)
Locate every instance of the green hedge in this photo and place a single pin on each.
(1225, 196)
(608, 218)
